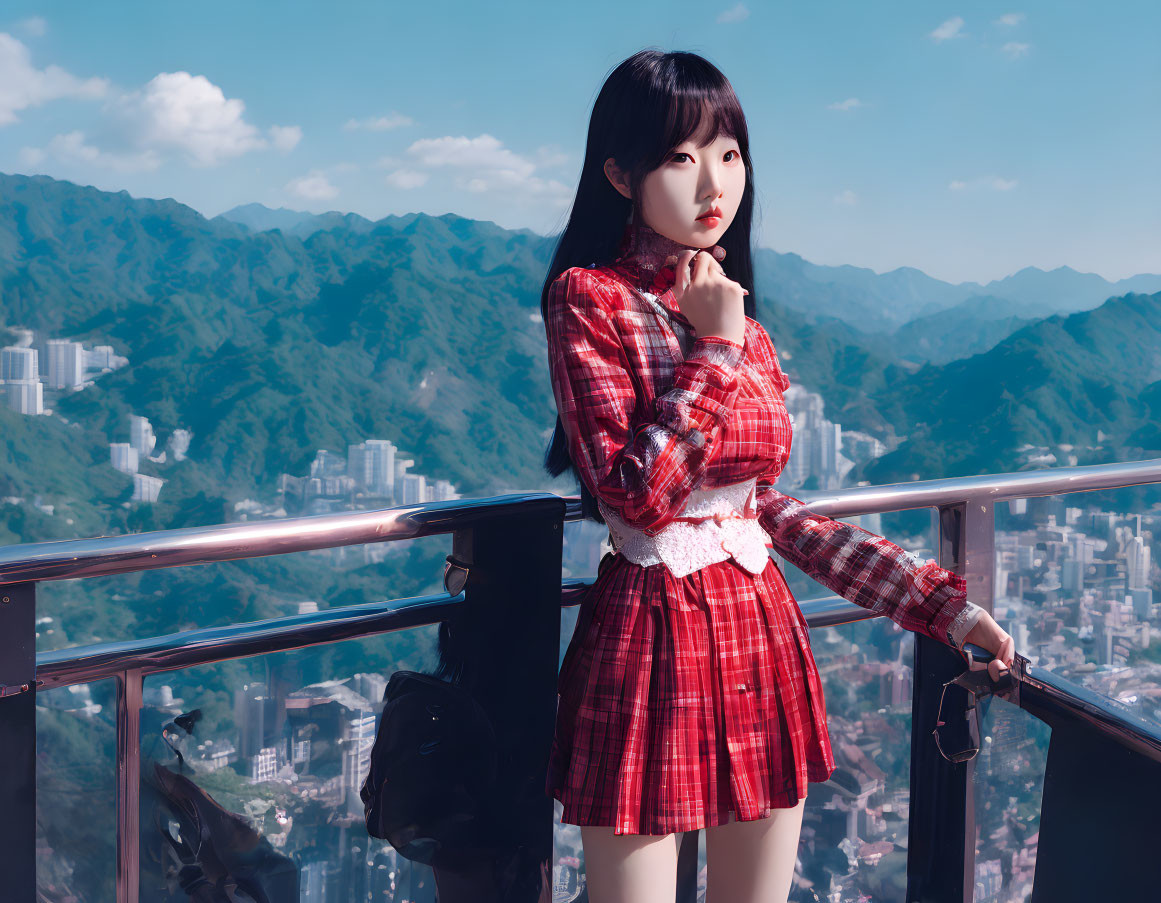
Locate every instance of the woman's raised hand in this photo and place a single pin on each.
(709, 299)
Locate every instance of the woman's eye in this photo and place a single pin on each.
(683, 154)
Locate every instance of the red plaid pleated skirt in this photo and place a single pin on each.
(685, 698)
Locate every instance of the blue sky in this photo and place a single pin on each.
(967, 140)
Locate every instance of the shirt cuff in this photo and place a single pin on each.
(963, 623)
(718, 350)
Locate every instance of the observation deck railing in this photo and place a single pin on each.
(1100, 820)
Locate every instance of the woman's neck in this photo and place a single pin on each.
(642, 252)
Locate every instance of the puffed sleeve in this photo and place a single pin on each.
(643, 471)
(869, 569)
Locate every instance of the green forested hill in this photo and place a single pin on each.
(269, 348)
(1052, 383)
(425, 330)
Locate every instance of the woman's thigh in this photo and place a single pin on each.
(753, 861)
(629, 868)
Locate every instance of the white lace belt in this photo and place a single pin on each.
(715, 524)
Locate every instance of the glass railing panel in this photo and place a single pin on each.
(1077, 586)
(854, 832)
(76, 791)
(585, 541)
(167, 600)
(1007, 789)
(260, 761)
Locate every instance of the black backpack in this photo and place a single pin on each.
(433, 771)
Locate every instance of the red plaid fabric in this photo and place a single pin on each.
(682, 699)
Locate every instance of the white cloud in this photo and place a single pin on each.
(849, 104)
(34, 25)
(191, 116)
(406, 178)
(846, 198)
(483, 160)
(285, 137)
(1015, 49)
(175, 114)
(71, 147)
(479, 165)
(22, 85)
(551, 156)
(379, 123)
(314, 186)
(995, 183)
(483, 152)
(949, 29)
(736, 13)
(1010, 19)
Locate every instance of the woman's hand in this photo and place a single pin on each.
(991, 636)
(709, 299)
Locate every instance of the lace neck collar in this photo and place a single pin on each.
(641, 255)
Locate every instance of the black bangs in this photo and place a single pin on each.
(705, 113)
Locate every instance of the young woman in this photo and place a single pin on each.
(689, 697)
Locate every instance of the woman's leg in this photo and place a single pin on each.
(752, 861)
(629, 868)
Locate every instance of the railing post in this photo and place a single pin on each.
(128, 785)
(941, 829)
(18, 742)
(510, 647)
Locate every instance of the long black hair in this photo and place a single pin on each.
(648, 106)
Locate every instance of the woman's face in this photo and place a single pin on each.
(692, 180)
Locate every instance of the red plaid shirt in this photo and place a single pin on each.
(684, 698)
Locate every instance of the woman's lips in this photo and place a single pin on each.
(709, 221)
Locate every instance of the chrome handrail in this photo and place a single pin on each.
(102, 556)
(128, 662)
(985, 488)
(106, 555)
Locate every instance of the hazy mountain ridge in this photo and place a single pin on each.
(970, 327)
(879, 304)
(1051, 383)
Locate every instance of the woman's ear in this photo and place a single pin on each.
(617, 178)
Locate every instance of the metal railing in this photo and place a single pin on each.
(513, 547)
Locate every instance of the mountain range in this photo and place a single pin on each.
(271, 334)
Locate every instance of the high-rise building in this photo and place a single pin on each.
(442, 491)
(123, 456)
(25, 396)
(66, 363)
(816, 449)
(141, 435)
(19, 363)
(372, 466)
(414, 490)
(146, 488)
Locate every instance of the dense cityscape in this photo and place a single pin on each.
(1073, 587)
